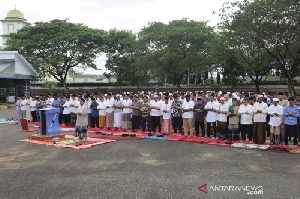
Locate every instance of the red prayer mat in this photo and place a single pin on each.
(70, 142)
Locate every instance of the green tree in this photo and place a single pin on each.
(176, 49)
(273, 25)
(122, 54)
(54, 47)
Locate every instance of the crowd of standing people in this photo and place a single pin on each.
(231, 116)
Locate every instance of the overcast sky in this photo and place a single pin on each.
(108, 14)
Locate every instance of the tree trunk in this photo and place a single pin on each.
(257, 86)
(64, 83)
(290, 84)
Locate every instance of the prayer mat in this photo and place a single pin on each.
(295, 150)
(197, 140)
(176, 138)
(71, 142)
(220, 143)
(114, 137)
(156, 138)
(140, 134)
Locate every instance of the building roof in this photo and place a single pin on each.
(14, 66)
(15, 14)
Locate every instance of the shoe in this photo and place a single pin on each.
(150, 134)
(160, 135)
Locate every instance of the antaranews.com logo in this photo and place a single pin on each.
(250, 190)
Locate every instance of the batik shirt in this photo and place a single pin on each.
(146, 108)
(176, 112)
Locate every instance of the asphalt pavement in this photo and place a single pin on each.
(142, 169)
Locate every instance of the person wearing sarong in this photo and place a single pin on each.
(102, 112)
(136, 113)
(166, 117)
(282, 103)
(145, 119)
(187, 116)
(94, 113)
(126, 115)
(66, 111)
(117, 112)
(82, 120)
(109, 111)
(275, 111)
(233, 123)
(199, 117)
(260, 110)
(176, 115)
(222, 118)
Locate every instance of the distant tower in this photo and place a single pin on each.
(12, 23)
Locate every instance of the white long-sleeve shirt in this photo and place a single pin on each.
(188, 105)
(275, 120)
(222, 117)
(23, 105)
(127, 102)
(260, 117)
(102, 108)
(212, 116)
(33, 105)
(167, 108)
(67, 107)
(155, 112)
(110, 103)
(246, 118)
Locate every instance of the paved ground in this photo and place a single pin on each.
(140, 169)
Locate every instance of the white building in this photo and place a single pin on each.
(13, 22)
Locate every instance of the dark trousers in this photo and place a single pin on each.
(136, 122)
(60, 118)
(155, 122)
(94, 121)
(34, 117)
(291, 130)
(268, 125)
(247, 129)
(37, 116)
(201, 124)
(177, 124)
(66, 119)
(208, 128)
(146, 122)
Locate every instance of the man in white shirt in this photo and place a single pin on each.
(117, 112)
(75, 103)
(102, 112)
(260, 110)
(211, 107)
(223, 111)
(155, 107)
(66, 111)
(166, 117)
(23, 107)
(109, 111)
(187, 116)
(246, 112)
(126, 116)
(275, 111)
(33, 110)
